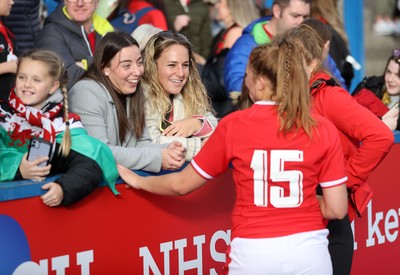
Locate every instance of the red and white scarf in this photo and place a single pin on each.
(22, 121)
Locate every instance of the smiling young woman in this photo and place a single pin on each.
(175, 94)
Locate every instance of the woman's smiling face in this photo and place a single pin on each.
(125, 70)
(173, 68)
(392, 78)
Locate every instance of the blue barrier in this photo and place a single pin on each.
(13, 190)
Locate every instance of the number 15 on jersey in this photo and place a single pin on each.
(265, 195)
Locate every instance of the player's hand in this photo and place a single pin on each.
(173, 157)
(129, 177)
(54, 196)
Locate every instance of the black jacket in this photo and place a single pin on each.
(80, 175)
(24, 23)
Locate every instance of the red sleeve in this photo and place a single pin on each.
(215, 156)
(365, 138)
(370, 101)
(333, 171)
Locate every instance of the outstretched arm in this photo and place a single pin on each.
(173, 184)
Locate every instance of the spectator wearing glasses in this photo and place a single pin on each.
(177, 106)
(72, 31)
(381, 94)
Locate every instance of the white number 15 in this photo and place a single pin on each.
(294, 178)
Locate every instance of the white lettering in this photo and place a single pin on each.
(215, 255)
(354, 234)
(196, 263)
(389, 225)
(373, 229)
(150, 266)
(84, 259)
(32, 268)
(59, 264)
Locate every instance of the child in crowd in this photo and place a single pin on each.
(111, 105)
(280, 153)
(177, 106)
(38, 107)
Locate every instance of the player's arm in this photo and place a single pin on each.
(173, 184)
(333, 202)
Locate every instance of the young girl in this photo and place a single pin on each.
(38, 107)
(280, 153)
(177, 106)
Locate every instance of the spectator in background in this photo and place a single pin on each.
(192, 19)
(111, 106)
(235, 15)
(143, 33)
(286, 14)
(326, 11)
(24, 23)
(381, 94)
(176, 106)
(126, 15)
(8, 57)
(325, 33)
(73, 31)
(38, 107)
(151, 12)
(383, 23)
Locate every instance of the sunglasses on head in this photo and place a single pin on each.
(396, 55)
(174, 35)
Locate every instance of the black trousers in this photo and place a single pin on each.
(341, 245)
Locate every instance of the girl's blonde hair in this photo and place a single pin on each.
(194, 94)
(58, 73)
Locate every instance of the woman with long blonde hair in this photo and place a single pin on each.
(177, 106)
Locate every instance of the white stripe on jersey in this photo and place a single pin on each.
(333, 183)
(200, 171)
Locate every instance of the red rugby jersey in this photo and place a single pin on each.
(275, 176)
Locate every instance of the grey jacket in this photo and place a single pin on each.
(70, 41)
(94, 104)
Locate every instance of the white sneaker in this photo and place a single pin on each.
(383, 27)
